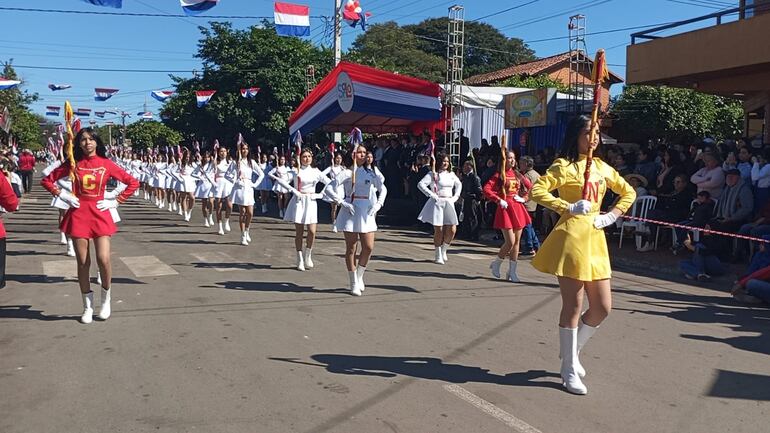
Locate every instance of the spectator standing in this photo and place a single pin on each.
(26, 169)
(671, 167)
(760, 176)
(646, 166)
(470, 197)
(8, 203)
(529, 240)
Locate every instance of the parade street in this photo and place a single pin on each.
(211, 336)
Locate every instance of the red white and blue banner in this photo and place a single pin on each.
(373, 100)
(195, 7)
(52, 111)
(162, 95)
(56, 87)
(117, 4)
(292, 19)
(204, 96)
(146, 115)
(84, 112)
(102, 94)
(8, 84)
(99, 114)
(250, 93)
(110, 112)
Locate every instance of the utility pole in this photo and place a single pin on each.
(337, 33)
(454, 80)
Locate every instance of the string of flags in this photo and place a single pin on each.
(6, 83)
(162, 95)
(190, 7)
(101, 94)
(56, 87)
(250, 92)
(204, 96)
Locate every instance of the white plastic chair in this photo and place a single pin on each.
(641, 206)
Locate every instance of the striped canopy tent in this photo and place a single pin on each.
(373, 100)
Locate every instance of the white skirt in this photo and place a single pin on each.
(242, 195)
(301, 210)
(189, 184)
(438, 213)
(361, 222)
(159, 182)
(223, 188)
(203, 189)
(277, 187)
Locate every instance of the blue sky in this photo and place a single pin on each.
(120, 42)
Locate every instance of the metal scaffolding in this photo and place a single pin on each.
(579, 65)
(454, 80)
(309, 79)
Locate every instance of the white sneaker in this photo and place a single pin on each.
(221, 229)
(512, 275)
(334, 228)
(88, 308)
(300, 261)
(105, 311)
(63, 239)
(227, 225)
(244, 242)
(70, 248)
(355, 289)
(206, 222)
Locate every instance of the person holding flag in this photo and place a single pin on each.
(332, 172)
(266, 186)
(286, 174)
(222, 189)
(576, 249)
(443, 188)
(204, 174)
(242, 175)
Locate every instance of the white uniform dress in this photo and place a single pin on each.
(267, 183)
(243, 182)
(369, 192)
(222, 186)
(332, 172)
(205, 177)
(302, 208)
(64, 183)
(440, 212)
(284, 173)
(187, 180)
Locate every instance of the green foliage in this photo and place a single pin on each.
(145, 134)
(535, 82)
(236, 59)
(25, 125)
(677, 115)
(387, 46)
(486, 48)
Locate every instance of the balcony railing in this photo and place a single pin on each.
(717, 16)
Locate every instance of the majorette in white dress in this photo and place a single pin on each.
(302, 208)
(222, 186)
(284, 173)
(204, 174)
(367, 196)
(243, 181)
(439, 210)
(186, 178)
(159, 180)
(332, 172)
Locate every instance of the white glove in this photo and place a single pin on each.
(580, 207)
(374, 209)
(316, 195)
(69, 199)
(519, 199)
(348, 206)
(103, 205)
(602, 221)
(434, 196)
(503, 204)
(110, 195)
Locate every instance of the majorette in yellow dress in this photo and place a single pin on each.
(575, 248)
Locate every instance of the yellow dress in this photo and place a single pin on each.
(575, 248)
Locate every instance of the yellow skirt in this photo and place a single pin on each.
(575, 249)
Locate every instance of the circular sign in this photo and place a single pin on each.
(345, 92)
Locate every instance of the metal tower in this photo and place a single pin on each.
(579, 65)
(309, 79)
(454, 80)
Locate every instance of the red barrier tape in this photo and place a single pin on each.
(699, 229)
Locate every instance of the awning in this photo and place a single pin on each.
(373, 100)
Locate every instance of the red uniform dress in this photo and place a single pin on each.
(91, 175)
(515, 216)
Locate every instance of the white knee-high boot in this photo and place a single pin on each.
(300, 261)
(569, 376)
(585, 332)
(105, 311)
(495, 267)
(308, 258)
(512, 275)
(360, 277)
(439, 259)
(354, 287)
(444, 249)
(88, 308)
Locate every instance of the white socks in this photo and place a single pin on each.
(206, 222)
(104, 312)
(243, 239)
(308, 258)
(300, 261)
(495, 267)
(70, 248)
(360, 277)
(569, 375)
(88, 308)
(512, 275)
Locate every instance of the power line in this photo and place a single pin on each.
(505, 10)
(152, 15)
(573, 9)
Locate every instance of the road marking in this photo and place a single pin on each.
(60, 268)
(471, 256)
(148, 266)
(489, 408)
(224, 259)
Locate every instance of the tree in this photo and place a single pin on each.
(535, 82)
(145, 134)
(236, 59)
(677, 115)
(486, 48)
(25, 125)
(387, 46)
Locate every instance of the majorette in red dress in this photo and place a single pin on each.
(515, 216)
(92, 175)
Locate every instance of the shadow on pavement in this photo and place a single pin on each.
(276, 287)
(240, 266)
(733, 384)
(423, 368)
(26, 312)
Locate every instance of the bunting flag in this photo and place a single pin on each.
(353, 14)
(204, 96)
(292, 19)
(216, 146)
(161, 95)
(85, 112)
(197, 147)
(56, 87)
(240, 139)
(114, 113)
(52, 111)
(297, 141)
(195, 7)
(99, 114)
(117, 4)
(250, 92)
(355, 137)
(146, 115)
(5, 83)
(102, 94)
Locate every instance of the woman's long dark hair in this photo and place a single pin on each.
(440, 157)
(569, 148)
(77, 152)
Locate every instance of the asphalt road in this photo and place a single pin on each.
(210, 336)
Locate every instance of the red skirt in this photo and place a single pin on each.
(514, 217)
(87, 221)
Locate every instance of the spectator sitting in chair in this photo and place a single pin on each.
(699, 216)
(757, 229)
(704, 262)
(638, 182)
(736, 204)
(671, 208)
(754, 287)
